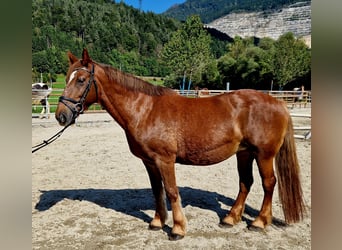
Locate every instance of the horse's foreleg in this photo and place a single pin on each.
(167, 171)
(244, 164)
(158, 191)
(264, 218)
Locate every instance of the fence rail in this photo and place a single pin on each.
(53, 102)
(302, 131)
(292, 98)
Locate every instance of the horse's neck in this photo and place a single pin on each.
(125, 106)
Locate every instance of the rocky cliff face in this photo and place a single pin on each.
(296, 19)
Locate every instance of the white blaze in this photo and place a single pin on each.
(72, 75)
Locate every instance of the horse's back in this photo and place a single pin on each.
(240, 111)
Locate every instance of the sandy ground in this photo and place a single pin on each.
(90, 192)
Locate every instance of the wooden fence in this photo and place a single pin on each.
(292, 98)
(302, 131)
(53, 102)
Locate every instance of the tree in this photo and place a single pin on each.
(292, 59)
(241, 66)
(188, 51)
(101, 26)
(257, 64)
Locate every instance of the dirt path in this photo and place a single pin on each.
(90, 192)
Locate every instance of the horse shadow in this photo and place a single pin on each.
(133, 202)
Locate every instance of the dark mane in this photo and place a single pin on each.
(134, 83)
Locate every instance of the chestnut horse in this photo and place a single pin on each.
(163, 128)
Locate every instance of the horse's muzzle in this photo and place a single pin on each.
(64, 118)
(61, 118)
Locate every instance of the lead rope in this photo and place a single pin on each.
(75, 111)
(50, 140)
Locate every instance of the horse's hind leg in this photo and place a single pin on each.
(47, 109)
(41, 115)
(244, 164)
(158, 191)
(43, 112)
(265, 164)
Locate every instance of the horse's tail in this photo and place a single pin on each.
(289, 185)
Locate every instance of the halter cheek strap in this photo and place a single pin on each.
(78, 106)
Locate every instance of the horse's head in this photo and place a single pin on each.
(80, 91)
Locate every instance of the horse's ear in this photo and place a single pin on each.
(85, 57)
(72, 58)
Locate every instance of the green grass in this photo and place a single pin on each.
(58, 86)
(60, 78)
(60, 82)
(154, 80)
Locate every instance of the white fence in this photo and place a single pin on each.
(302, 131)
(292, 98)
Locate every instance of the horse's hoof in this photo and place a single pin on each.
(175, 237)
(154, 228)
(225, 225)
(255, 228)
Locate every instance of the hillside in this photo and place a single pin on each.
(114, 33)
(295, 18)
(134, 41)
(210, 10)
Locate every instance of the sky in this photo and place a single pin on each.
(156, 6)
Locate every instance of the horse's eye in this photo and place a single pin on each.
(81, 80)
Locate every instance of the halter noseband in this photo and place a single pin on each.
(78, 108)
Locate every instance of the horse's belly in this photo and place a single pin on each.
(207, 157)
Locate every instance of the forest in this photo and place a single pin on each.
(184, 54)
(210, 10)
(113, 33)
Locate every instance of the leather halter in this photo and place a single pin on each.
(78, 107)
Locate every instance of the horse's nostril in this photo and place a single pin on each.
(61, 118)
